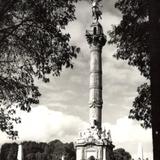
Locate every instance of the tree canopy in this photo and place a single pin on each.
(46, 151)
(9, 151)
(131, 38)
(39, 151)
(33, 43)
(121, 154)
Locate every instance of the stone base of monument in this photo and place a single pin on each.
(94, 144)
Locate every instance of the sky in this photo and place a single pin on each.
(63, 110)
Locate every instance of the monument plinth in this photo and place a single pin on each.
(94, 143)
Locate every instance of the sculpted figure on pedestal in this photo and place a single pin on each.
(96, 13)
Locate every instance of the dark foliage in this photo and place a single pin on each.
(131, 38)
(132, 34)
(9, 151)
(121, 154)
(40, 151)
(32, 44)
(142, 106)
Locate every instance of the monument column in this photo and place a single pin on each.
(95, 86)
(96, 39)
(93, 143)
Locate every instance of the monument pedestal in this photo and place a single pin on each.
(94, 145)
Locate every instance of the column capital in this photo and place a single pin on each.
(95, 35)
(96, 40)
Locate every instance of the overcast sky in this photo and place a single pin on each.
(63, 109)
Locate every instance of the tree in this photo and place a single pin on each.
(9, 151)
(32, 44)
(121, 154)
(141, 109)
(155, 72)
(131, 38)
(70, 152)
(137, 38)
(39, 151)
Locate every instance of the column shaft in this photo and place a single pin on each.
(95, 95)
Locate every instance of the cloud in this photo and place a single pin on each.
(109, 5)
(128, 134)
(63, 108)
(120, 80)
(127, 130)
(43, 124)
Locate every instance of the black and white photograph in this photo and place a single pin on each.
(79, 80)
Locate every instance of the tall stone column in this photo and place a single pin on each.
(95, 86)
(93, 143)
(96, 40)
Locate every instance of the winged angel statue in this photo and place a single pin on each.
(96, 13)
